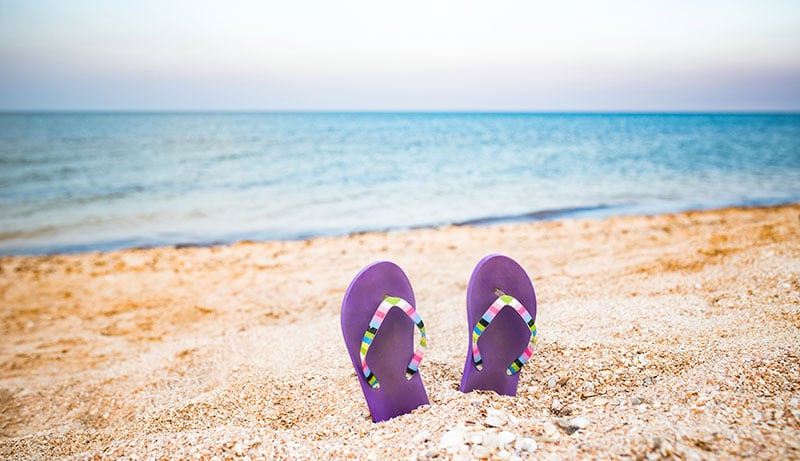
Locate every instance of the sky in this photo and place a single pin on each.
(500, 55)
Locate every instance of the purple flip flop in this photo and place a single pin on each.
(501, 315)
(380, 339)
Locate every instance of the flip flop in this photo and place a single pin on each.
(501, 315)
(380, 339)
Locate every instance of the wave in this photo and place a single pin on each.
(539, 215)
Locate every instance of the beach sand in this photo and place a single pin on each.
(673, 335)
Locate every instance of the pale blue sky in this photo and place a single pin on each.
(413, 55)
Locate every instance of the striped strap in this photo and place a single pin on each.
(375, 324)
(487, 318)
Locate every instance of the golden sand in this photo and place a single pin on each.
(674, 335)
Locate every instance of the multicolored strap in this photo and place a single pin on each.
(488, 316)
(375, 324)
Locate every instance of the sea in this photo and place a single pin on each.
(75, 182)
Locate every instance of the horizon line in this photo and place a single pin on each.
(401, 111)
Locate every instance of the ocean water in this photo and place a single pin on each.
(78, 182)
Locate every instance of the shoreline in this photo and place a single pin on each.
(593, 212)
(670, 335)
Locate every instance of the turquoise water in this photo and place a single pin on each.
(76, 182)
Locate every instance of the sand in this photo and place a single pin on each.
(663, 336)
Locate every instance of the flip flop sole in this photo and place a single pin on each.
(393, 345)
(507, 336)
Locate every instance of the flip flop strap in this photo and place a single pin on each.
(375, 324)
(487, 318)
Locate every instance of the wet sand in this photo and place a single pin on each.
(673, 335)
